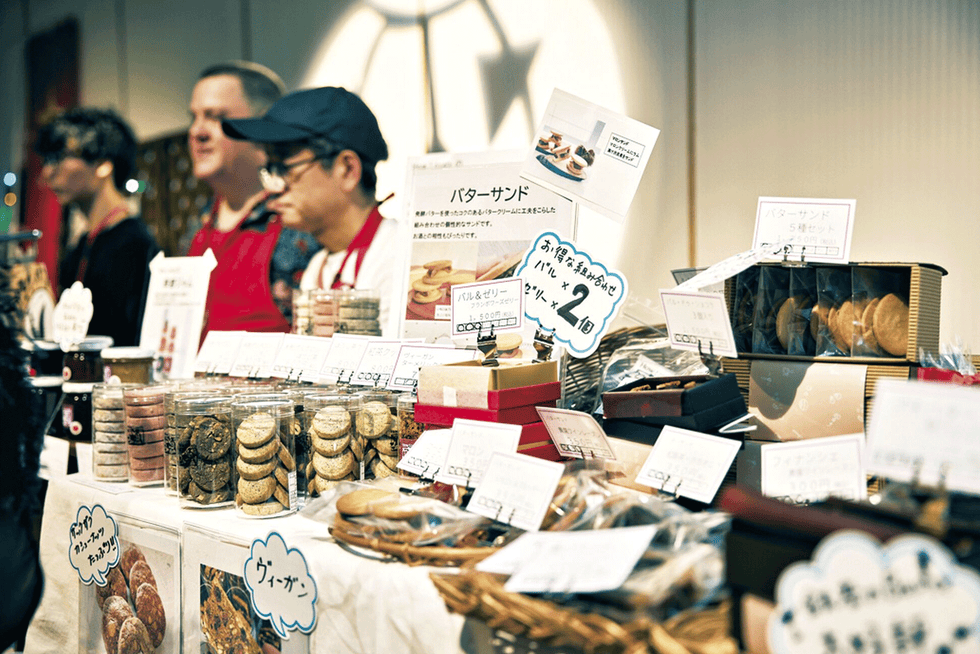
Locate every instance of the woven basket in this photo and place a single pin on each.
(482, 596)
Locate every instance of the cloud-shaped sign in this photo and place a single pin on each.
(72, 315)
(283, 592)
(858, 596)
(93, 544)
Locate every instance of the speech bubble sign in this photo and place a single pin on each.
(93, 545)
(72, 315)
(279, 582)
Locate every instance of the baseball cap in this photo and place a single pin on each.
(330, 112)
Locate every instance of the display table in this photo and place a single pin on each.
(362, 606)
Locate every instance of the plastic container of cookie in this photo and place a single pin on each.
(323, 312)
(302, 313)
(265, 464)
(301, 427)
(408, 430)
(358, 311)
(335, 449)
(110, 447)
(377, 427)
(186, 390)
(205, 452)
(145, 426)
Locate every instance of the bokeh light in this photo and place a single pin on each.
(9, 179)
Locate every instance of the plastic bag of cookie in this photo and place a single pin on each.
(145, 426)
(110, 447)
(265, 464)
(376, 425)
(336, 450)
(773, 292)
(746, 290)
(881, 311)
(832, 334)
(793, 318)
(205, 448)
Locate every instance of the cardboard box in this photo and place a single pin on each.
(470, 384)
(712, 403)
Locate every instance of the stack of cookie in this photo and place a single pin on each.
(378, 427)
(110, 449)
(335, 449)
(205, 456)
(266, 464)
(131, 584)
(323, 310)
(357, 312)
(302, 313)
(145, 422)
(427, 289)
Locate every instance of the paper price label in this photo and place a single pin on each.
(484, 306)
(814, 469)
(815, 229)
(575, 434)
(688, 463)
(566, 291)
(345, 353)
(470, 447)
(256, 355)
(698, 320)
(300, 356)
(93, 545)
(282, 589)
(72, 315)
(516, 489)
(427, 455)
(218, 352)
(377, 363)
(405, 375)
(856, 595)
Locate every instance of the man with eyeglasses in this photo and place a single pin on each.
(259, 261)
(322, 146)
(88, 156)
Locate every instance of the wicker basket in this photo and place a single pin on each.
(482, 596)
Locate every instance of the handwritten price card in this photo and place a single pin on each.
(93, 545)
(257, 355)
(470, 448)
(856, 595)
(565, 290)
(688, 463)
(405, 376)
(698, 320)
(516, 489)
(282, 590)
(218, 352)
(345, 353)
(814, 469)
(575, 434)
(817, 230)
(482, 306)
(72, 315)
(426, 456)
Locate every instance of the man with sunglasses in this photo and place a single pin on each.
(322, 146)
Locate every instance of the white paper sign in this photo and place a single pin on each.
(484, 306)
(93, 545)
(925, 431)
(174, 313)
(908, 596)
(257, 355)
(345, 353)
(817, 229)
(570, 561)
(516, 489)
(575, 434)
(566, 291)
(729, 267)
(470, 447)
(698, 319)
(218, 352)
(377, 363)
(72, 315)
(54, 458)
(411, 357)
(427, 455)
(688, 463)
(814, 469)
(300, 356)
(282, 589)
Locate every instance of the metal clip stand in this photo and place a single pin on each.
(544, 342)
(488, 347)
(933, 514)
(794, 263)
(710, 361)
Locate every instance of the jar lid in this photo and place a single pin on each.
(46, 381)
(76, 387)
(92, 344)
(127, 353)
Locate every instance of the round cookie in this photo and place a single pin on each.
(145, 476)
(154, 463)
(115, 585)
(387, 446)
(288, 462)
(391, 461)
(211, 476)
(769, 329)
(268, 508)
(211, 437)
(790, 321)
(819, 318)
(399, 508)
(105, 415)
(333, 467)
(380, 470)
(118, 472)
(256, 429)
(437, 265)
(331, 422)
(281, 495)
(104, 401)
(845, 326)
(130, 556)
(202, 496)
(331, 446)
(147, 451)
(256, 471)
(259, 454)
(256, 492)
(358, 502)
(282, 477)
(140, 574)
(134, 637)
(149, 609)
(373, 419)
(891, 324)
(145, 411)
(358, 313)
(109, 427)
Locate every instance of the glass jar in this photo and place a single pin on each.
(205, 451)
(323, 312)
(335, 450)
(127, 364)
(377, 427)
(302, 313)
(145, 424)
(82, 363)
(266, 457)
(110, 447)
(358, 311)
(408, 430)
(76, 411)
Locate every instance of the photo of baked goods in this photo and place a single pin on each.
(563, 157)
(228, 621)
(433, 273)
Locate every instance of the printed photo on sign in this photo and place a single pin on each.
(590, 153)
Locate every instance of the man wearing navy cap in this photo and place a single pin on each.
(322, 147)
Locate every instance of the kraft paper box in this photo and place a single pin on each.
(469, 384)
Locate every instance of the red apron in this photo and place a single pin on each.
(239, 295)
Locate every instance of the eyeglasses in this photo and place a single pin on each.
(274, 174)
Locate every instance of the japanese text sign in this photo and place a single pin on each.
(470, 447)
(377, 363)
(575, 434)
(482, 306)
(688, 463)
(345, 353)
(282, 589)
(218, 352)
(813, 469)
(426, 456)
(72, 315)
(516, 489)
(257, 355)
(301, 357)
(93, 545)
(698, 321)
(817, 230)
(568, 292)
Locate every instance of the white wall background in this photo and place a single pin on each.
(877, 100)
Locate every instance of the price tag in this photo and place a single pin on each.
(470, 447)
(575, 434)
(688, 463)
(729, 267)
(72, 315)
(300, 354)
(427, 455)
(378, 362)
(218, 352)
(566, 290)
(814, 469)
(698, 319)
(496, 305)
(925, 431)
(516, 489)
(856, 595)
(256, 355)
(282, 589)
(570, 561)
(345, 353)
(93, 547)
(405, 375)
(816, 229)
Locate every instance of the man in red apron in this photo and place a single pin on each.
(322, 146)
(259, 262)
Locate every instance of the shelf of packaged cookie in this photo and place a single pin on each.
(861, 312)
